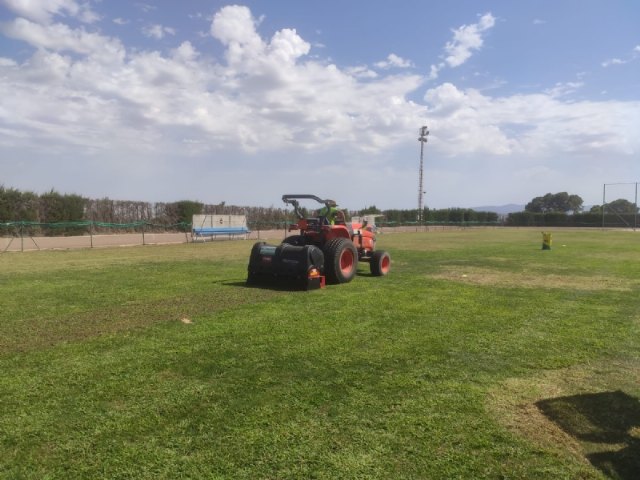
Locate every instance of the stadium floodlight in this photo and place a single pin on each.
(424, 133)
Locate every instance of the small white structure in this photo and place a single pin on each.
(369, 219)
(205, 227)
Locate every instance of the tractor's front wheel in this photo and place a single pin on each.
(340, 260)
(380, 263)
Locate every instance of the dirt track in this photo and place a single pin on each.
(17, 244)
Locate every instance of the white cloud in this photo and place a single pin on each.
(235, 27)
(621, 61)
(361, 71)
(435, 71)
(287, 46)
(185, 52)
(87, 15)
(59, 37)
(83, 100)
(145, 7)
(394, 61)
(157, 31)
(267, 95)
(270, 95)
(43, 11)
(464, 122)
(466, 39)
(536, 173)
(614, 61)
(120, 21)
(7, 62)
(538, 21)
(564, 88)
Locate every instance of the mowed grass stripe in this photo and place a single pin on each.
(45, 308)
(378, 378)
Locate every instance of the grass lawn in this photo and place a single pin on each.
(479, 356)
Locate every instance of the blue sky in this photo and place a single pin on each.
(215, 101)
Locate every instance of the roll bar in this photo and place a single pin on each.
(292, 199)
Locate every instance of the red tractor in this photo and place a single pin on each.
(325, 247)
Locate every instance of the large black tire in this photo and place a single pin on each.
(380, 263)
(297, 240)
(340, 260)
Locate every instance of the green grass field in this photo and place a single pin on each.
(479, 356)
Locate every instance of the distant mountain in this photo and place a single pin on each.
(500, 210)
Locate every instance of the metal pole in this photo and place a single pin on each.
(604, 196)
(420, 178)
(635, 218)
(424, 132)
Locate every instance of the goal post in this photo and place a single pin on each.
(616, 196)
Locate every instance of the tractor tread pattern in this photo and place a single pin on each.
(377, 263)
(332, 254)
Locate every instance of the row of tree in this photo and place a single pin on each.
(56, 208)
(448, 215)
(562, 209)
(49, 207)
(562, 202)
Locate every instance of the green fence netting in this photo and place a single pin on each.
(90, 225)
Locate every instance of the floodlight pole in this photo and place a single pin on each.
(604, 199)
(424, 133)
(635, 218)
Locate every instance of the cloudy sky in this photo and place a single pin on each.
(213, 101)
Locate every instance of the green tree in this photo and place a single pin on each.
(56, 208)
(621, 206)
(51, 207)
(17, 206)
(372, 210)
(536, 205)
(555, 202)
(575, 203)
(186, 209)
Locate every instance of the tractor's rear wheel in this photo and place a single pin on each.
(340, 260)
(380, 263)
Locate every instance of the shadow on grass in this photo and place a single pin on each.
(606, 424)
(278, 284)
(366, 274)
(266, 284)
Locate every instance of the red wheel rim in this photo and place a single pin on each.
(346, 261)
(385, 263)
